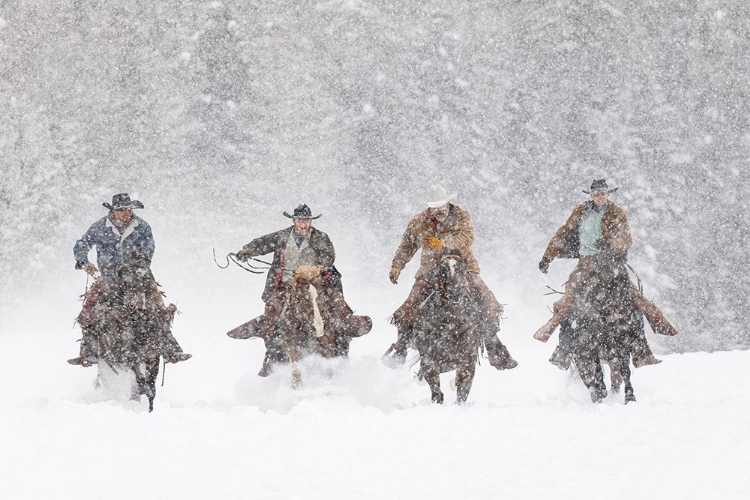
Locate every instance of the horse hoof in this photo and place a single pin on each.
(296, 379)
(438, 398)
(629, 398)
(598, 395)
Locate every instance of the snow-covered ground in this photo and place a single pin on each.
(361, 430)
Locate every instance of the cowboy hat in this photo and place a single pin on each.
(437, 196)
(122, 201)
(302, 212)
(600, 186)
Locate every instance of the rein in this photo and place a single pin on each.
(243, 265)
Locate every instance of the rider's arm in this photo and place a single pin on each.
(83, 245)
(263, 245)
(410, 243)
(556, 246)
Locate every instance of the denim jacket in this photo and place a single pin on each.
(113, 248)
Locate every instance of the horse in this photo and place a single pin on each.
(604, 326)
(315, 319)
(129, 328)
(447, 329)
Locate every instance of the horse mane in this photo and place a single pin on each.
(306, 274)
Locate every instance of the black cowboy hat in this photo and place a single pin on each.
(122, 201)
(302, 212)
(598, 186)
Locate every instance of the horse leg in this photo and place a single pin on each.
(433, 379)
(615, 373)
(626, 373)
(464, 380)
(152, 373)
(296, 373)
(590, 370)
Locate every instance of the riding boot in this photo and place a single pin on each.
(395, 357)
(85, 356)
(171, 349)
(266, 369)
(560, 358)
(498, 354)
(643, 356)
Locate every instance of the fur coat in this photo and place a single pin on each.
(456, 232)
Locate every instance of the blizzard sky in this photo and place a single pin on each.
(219, 116)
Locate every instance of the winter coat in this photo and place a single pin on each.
(276, 243)
(615, 232)
(456, 232)
(134, 244)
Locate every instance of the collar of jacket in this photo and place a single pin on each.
(590, 205)
(432, 220)
(127, 230)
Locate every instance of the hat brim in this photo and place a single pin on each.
(601, 191)
(300, 217)
(440, 203)
(134, 204)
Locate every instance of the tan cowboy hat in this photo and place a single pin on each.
(437, 196)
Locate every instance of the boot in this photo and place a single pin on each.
(266, 369)
(85, 357)
(560, 358)
(84, 361)
(498, 354)
(395, 356)
(643, 356)
(177, 356)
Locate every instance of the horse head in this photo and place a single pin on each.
(307, 286)
(451, 274)
(136, 282)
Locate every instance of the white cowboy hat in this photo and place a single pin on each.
(437, 196)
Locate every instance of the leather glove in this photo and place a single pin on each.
(544, 264)
(394, 273)
(243, 254)
(90, 269)
(434, 243)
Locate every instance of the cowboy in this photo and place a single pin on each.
(442, 225)
(597, 233)
(121, 238)
(292, 247)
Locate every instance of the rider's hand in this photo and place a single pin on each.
(90, 269)
(394, 273)
(434, 243)
(544, 264)
(243, 254)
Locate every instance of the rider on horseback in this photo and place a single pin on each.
(597, 233)
(121, 239)
(292, 247)
(443, 224)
